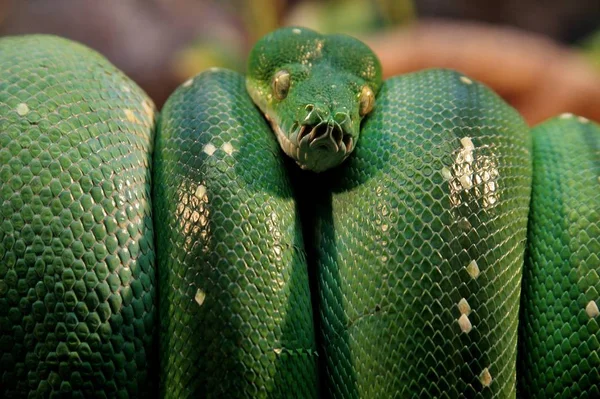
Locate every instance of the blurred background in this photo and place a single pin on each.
(542, 56)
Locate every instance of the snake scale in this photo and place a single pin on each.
(444, 249)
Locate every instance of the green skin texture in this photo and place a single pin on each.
(277, 282)
(77, 262)
(559, 349)
(325, 86)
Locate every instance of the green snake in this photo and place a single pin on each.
(418, 240)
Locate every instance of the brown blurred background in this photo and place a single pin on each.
(543, 56)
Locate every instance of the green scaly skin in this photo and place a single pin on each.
(325, 89)
(412, 248)
(419, 245)
(234, 296)
(559, 349)
(77, 275)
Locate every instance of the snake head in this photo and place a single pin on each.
(314, 90)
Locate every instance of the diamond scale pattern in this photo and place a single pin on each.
(77, 269)
(431, 212)
(235, 302)
(559, 347)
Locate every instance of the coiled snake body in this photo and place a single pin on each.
(443, 250)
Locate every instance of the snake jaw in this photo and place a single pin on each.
(314, 147)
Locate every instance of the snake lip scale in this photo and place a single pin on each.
(327, 136)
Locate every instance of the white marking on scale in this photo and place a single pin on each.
(467, 143)
(583, 119)
(227, 147)
(446, 174)
(188, 82)
(465, 181)
(22, 109)
(130, 116)
(277, 351)
(296, 31)
(566, 115)
(473, 269)
(465, 323)
(200, 192)
(592, 309)
(200, 297)
(209, 149)
(466, 80)
(464, 307)
(485, 378)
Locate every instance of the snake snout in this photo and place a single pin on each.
(325, 134)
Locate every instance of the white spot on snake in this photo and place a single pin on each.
(592, 309)
(566, 115)
(446, 174)
(296, 31)
(200, 297)
(473, 177)
(277, 351)
(200, 192)
(130, 116)
(465, 181)
(467, 143)
(126, 89)
(213, 69)
(148, 110)
(384, 227)
(384, 258)
(466, 80)
(582, 119)
(464, 307)
(473, 269)
(188, 82)
(22, 109)
(209, 149)
(465, 323)
(228, 148)
(485, 378)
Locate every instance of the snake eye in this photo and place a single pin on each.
(281, 84)
(366, 100)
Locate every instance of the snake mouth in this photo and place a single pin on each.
(325, 136)
(328, 136)
(314, 147)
